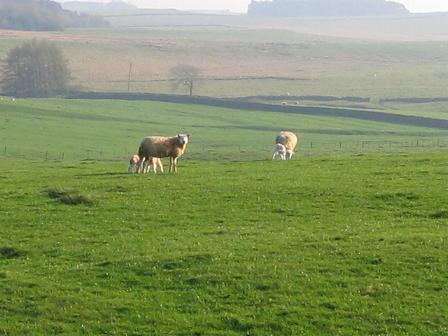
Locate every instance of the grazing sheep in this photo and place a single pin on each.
(153, 162)
(289, 140)
(160, 147)
(133, 163)
(279, 150)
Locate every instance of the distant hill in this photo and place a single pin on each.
(97, 7)
(291, 8)
(43, 15)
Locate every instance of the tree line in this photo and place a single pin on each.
(43, 15)
(288, 8)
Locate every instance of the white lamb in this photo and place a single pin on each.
(133, 163)
(280, 151)
(153, 163)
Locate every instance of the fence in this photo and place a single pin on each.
(205, 152)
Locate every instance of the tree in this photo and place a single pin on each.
(185, 75)
(35, 69)
(43, 15)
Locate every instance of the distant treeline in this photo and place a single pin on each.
(97, 7)
(290, 8)
(43, 15)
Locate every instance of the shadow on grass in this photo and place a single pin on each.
(104, 174)
(69, 197)
(10, 253)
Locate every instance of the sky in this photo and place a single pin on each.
(417, 6)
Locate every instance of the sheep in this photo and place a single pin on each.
(279, 150)
(160, 147)
(153, 162)
(133, 163)
(289, 140)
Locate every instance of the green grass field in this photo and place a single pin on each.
(112, 130)
(338, 241)
(350, 245)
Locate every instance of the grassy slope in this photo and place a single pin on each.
(342, 245)
(113, 130)
(100, 59)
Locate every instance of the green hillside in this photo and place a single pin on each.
(112, 130)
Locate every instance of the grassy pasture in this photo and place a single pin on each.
(348, 245)
(111, 130)
(234, 244)
(254, 57)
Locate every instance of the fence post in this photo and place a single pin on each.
(46, 156)
(62, 156)
(5, 149)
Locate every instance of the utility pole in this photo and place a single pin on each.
(129, 76)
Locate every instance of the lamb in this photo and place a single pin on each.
(160, 147)
(279, 150)
(133, 163)
(289, 140)
(153, 162)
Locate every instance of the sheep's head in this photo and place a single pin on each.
(182, 139)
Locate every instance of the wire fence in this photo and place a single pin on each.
(206, 152)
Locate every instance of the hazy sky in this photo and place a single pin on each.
(241, 5)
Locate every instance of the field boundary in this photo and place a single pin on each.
(238, 152)
(241, 104)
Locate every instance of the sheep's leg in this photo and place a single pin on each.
(140, 166)
(154, 166)
(161, 166)
(175, 164)
(273, 156)
(145, 165)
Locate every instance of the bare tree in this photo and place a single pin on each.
(185, 75)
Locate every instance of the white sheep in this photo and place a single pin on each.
(160, 147)
(279, 150)
(289, 140)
